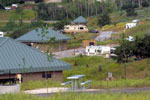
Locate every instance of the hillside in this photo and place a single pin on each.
(90, 67)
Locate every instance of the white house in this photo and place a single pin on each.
(130, 25)
(133, 24)
(97, 50)
(75, 28)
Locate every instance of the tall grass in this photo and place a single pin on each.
(80, 96)
(89, 66)
(39, 84)
(134, 83)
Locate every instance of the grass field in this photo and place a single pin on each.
(39, 84)
(6, 15)
(79, 96)
(76, 40)
(90, 67)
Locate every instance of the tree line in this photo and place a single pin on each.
(137, 49)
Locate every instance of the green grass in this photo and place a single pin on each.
(79, 96)
(134, 83)
(77, 42)
(39, 84)
(6, 15)
(135, 70)
(112, 41)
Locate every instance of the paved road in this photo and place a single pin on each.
(100, 91)
(104, 35)
(68, 53)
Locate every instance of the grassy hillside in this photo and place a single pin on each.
(90, 67)
(6, 15)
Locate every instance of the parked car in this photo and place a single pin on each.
(7, 8)
(93, 31)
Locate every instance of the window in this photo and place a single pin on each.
(91, 43)
(46, 75)
(81, 28)
(67, 27)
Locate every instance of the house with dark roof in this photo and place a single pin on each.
(30, 63)
(80, 20)
(42, 39)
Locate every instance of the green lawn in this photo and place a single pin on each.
(6, 15)
(90, 67)
(79, 96)
(76, 40)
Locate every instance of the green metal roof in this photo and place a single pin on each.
(16, 57)
(80, 19)
(41, 35)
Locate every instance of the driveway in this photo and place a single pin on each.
(104, 35)
(68, 53)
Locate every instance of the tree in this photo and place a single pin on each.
(145, 3)
(60, 25)
(131, 12)
(19, 11)
(104, 19)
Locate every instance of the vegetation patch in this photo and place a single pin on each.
(79, 96)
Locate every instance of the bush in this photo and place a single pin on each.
(131, 12)
(104, 20)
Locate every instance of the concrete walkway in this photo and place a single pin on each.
(44, 92)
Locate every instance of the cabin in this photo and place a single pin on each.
(97, 50)
(133, 24)
(20, 60)
(75, 28)
(46, 40)
(130, 25)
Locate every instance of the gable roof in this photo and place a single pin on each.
(37, 35)
(16, 57)
(80, 19)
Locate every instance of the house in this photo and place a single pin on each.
(80, 20)
(86, 43)
(130, 25)
(133, 24)
(52, 1)
(29, 1)
(97, 50)
(75, 28)
(29, 63)
(37, 39)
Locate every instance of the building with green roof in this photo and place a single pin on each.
(18, 58)
(80, 20)
(40, 36)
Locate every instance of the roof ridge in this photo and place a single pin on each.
(6, 38)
